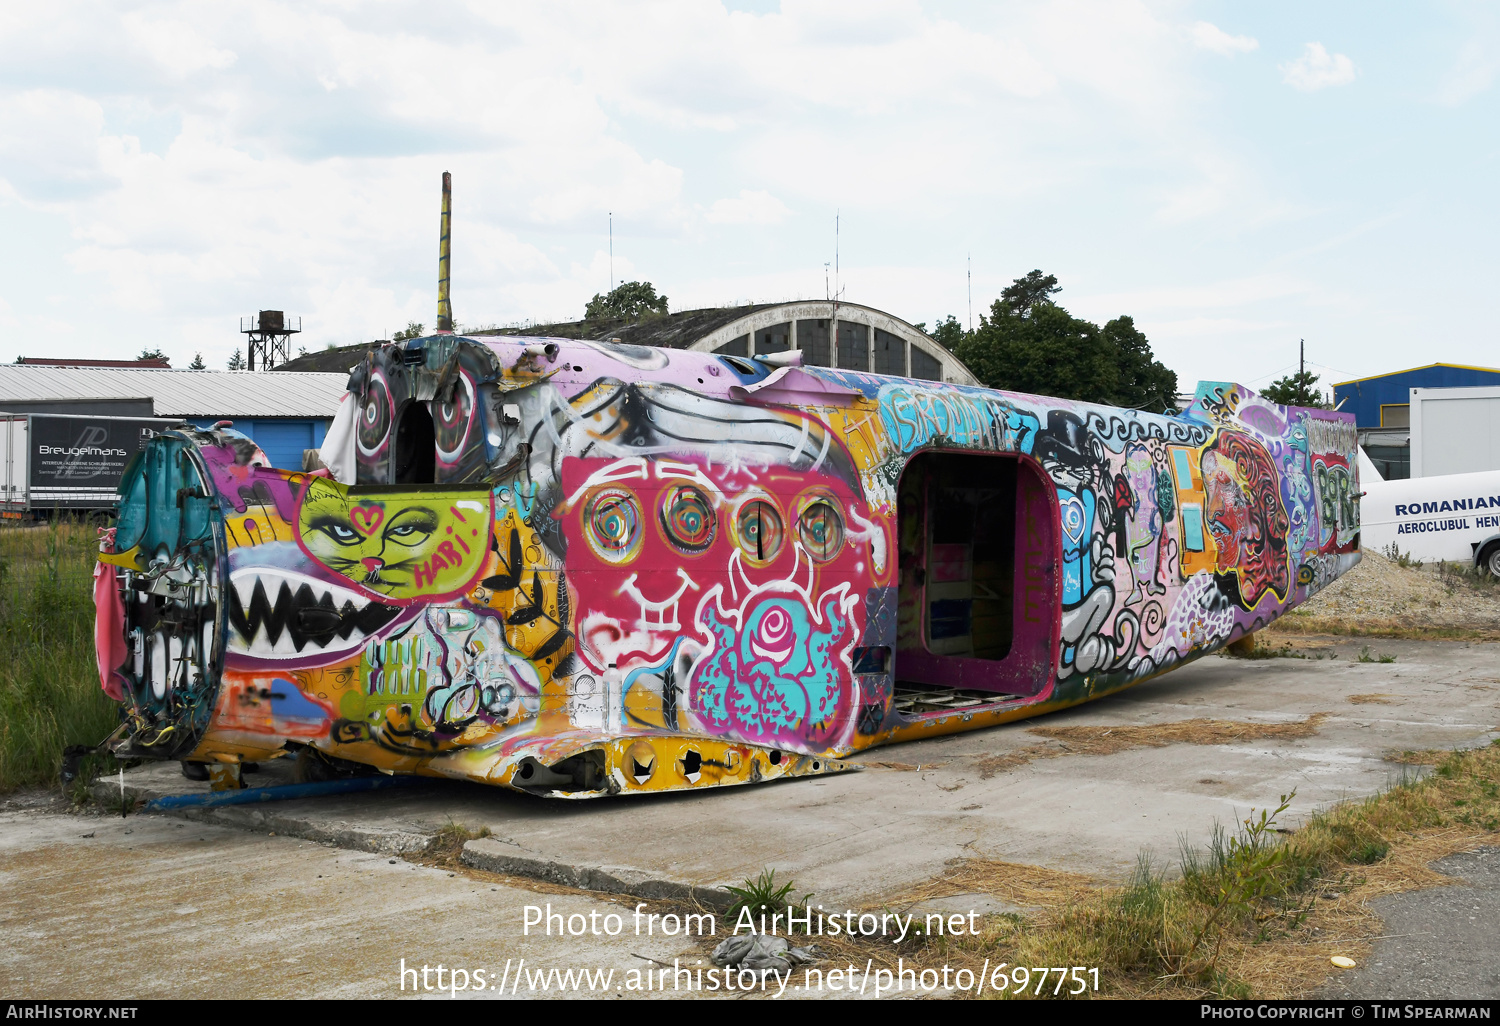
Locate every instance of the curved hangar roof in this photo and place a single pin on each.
(869, 339)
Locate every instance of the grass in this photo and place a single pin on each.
(1101, 740)
(1299, 621)
(49, 683)
(1265, 652)
(1468, 576)
(1256, 914)
(1366, 657)
(447, 845)
(1402, 559)
(763, 896)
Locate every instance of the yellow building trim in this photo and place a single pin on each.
(1395, 406)
(1425, 366)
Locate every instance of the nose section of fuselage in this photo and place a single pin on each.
(166, 557)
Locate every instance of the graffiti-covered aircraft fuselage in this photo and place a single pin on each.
(585, 568)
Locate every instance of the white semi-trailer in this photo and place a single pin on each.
(67, 461)
(1455, 517)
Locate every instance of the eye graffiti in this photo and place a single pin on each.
(688, 518)
(612, 525)
(451, 420)
(375, 417)
(821, 530)
(404, 548)
(759, 530)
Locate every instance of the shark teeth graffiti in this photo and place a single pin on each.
(280, 615)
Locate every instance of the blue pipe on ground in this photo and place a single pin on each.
(283, 792)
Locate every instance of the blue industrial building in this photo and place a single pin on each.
(1381, 405)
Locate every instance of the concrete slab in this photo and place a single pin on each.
(863, 838)
(157, 907)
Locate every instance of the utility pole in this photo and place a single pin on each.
(1301, 359)
(971, 293)
(611, 251)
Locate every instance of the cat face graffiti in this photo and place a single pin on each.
(404, 547)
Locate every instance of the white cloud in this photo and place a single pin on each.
(1317, 69)
(758, 207)
(195, 162)
(1471, 75)
(50, 143)
(1207, 36)
(174, 45)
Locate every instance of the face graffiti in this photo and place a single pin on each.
(1246, 515)
(404, 548)
(713, 523)
(584, 568)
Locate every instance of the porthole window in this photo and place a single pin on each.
(760, 530)
(612, 524)
(821, 531)
(376, 414)
(687, 517)
(451, 419)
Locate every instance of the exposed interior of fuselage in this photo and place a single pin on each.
(977, 601)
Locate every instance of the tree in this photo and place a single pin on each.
(1030, 344)
(1144, 383)
(629, 302)
(1300, 389)
(197, 363)
(237, 361)
(152, 354)
(947, 333)
(1023, 294)
(412, 330)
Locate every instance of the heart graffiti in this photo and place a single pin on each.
(367, 519)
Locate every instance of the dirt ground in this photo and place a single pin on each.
(1381, 597)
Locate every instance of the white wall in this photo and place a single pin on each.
(1455, 430)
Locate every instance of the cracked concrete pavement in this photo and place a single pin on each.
(265, 907)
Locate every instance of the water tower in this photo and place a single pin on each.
(269, 332)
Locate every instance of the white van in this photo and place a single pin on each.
(1455, 517)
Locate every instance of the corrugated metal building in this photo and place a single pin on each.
(1381, 405)
(284, 412)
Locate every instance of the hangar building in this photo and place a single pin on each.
(842, 335)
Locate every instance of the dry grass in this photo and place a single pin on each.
(1012, 882)
(447, 846)
(1298, 622)
(1373, 699)
(1096, 740)
(1423, 757)
(1313, 899)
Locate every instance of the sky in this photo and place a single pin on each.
(1236, 177)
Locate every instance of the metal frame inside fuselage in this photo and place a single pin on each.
(487, 657)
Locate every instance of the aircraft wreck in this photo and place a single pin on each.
(584, 568)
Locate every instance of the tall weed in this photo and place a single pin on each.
(49, 682)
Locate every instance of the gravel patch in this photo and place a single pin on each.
(1382, 596)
